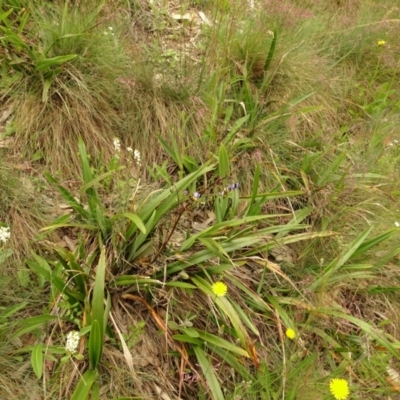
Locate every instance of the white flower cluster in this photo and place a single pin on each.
(4, 234)
(110, 31)
(394, 143)
(136, 156)
(397, 224)
(117, 145)
(72, 342)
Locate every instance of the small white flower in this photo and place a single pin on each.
(110, 28)
(117, 145)
(397, 224)
(136, 156)
(4, 234)
(129, 149)
(72, 342)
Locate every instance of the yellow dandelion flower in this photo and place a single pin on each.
(290, 333)
(381, 42)
(339, 389)
(219, 289)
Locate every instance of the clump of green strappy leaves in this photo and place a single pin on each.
(83, 281)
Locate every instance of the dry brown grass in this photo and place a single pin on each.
(20, 210)
(161, 104)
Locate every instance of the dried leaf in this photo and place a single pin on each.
(160, 393)
(64, 206)
(6, 143)
(71, 244)
(180, 17)
(200, 226)
(6, 113)
(204, 18)
(393, 378)
(25, 166)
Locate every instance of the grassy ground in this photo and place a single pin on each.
(269, 152)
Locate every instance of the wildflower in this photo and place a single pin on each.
(72, 342)
(339, 389)
(229, 188)
(397, 224)
(136, 156)
(4, 234)
(197, 195)
(117, 145)
(219, 289)
(233, 186)
(381, 42)
(290, 333)
(129, 149)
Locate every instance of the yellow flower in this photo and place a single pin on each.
(381, 42)
(290, 333)
(219, 289)
(339, 389)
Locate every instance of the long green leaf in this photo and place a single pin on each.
(12, 310)
(224, 344)
(188, 339)
(134, 218)
(37, 359)
(97, 330)
(235, 128)
(205, 255)
(56, 281)
(271, 51)
(4, 254)
(373, 242)
(48, 63)
(6, 14)
(168, 198)
(214, 247)
(223, 227)
(175, 155)
(98, 290)
(328, 171)
(339, 261)
(223, 162)
(226, 307)
(68, 197)
(92, 195)
(46, 87)
(299, 216)
(95, 344)
(44, 264)
(376, 334)
(30, 324)
(71, 225)
(243, 316)
(208, 371)
(99, 178)
(74, 269)
(85, 383)
(232, 360)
